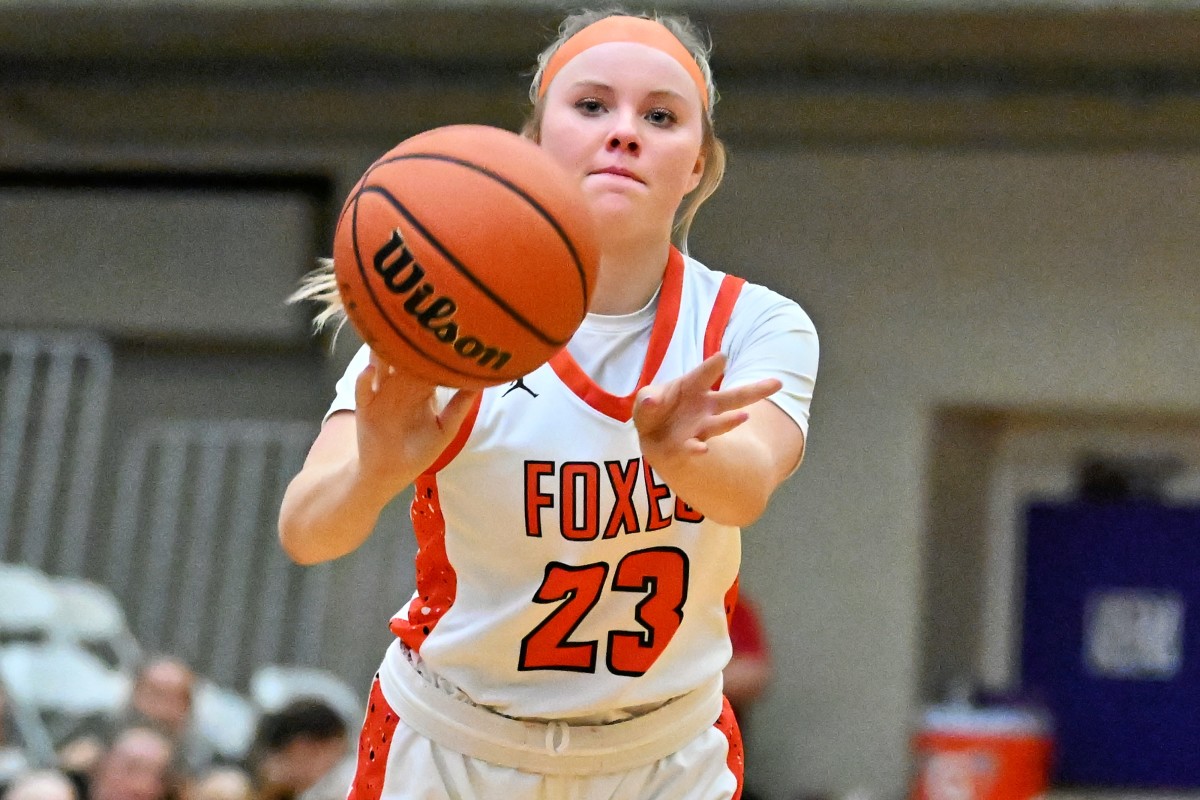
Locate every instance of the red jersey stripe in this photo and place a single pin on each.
(718, 320)
(621, 408)
(722, 311)
(459, 440)
(437, 582)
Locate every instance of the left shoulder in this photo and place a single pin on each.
(754, 300)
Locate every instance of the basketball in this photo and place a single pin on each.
(466, 256)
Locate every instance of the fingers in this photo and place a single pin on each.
(696, 383)
(721, 423)
(651, 408)
(382, 369)
(692, 396)
(712, 428)
(707, 374)
(703, 378)
(742, 396)
(380, 377)
(369, 381)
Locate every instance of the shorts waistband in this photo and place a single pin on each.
(548, 748)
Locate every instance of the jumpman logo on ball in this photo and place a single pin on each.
(519, 383)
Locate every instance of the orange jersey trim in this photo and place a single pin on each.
(459, 441)
(621, 408)
(718, 320)
(437, 582)
(722, 312)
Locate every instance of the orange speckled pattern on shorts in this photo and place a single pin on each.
(727, 724)
(373, 746)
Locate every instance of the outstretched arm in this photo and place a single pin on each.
(725, 451)
(362, 459)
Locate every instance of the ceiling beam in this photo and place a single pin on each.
(788, 77)
(756, 37)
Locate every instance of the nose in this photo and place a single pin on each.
(624, 135)
(624, 143)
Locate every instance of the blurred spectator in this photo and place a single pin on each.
(162, 694)
(748, 673)
(41, 785)
(161, 698)
(335, 784)
(13, 760)
(222, 783)
(138, 766)
(749, 670)
(299, 749)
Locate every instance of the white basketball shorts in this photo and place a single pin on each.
(418, 743)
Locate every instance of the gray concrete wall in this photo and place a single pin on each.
(937, 279)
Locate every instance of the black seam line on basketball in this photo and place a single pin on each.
(352, 199)
(562, 234)
(462, 268)
(366, 283)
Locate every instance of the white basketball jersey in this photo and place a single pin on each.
(557, 575)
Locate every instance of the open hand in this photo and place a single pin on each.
(675, 420)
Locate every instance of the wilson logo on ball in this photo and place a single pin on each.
(466, 255)
(403, 275)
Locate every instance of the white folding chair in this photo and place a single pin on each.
(13, 761)
(224, 719)
(28, 603)
(58, 684)
(273, 686)
(31, 746)
(90, 615)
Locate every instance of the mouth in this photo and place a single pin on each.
(620, 172)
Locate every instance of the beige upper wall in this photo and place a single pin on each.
(1029, 281)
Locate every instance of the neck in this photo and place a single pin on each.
(628, 278)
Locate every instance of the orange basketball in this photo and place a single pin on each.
(466, 256)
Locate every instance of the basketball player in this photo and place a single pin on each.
(579, 532)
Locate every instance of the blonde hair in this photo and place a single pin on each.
(711, 147)
(320, 285)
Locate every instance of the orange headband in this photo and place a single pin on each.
(637, 30)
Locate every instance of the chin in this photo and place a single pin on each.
(616, 209)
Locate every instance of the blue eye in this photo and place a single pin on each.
(661, 116)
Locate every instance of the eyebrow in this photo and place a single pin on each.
(590, 84)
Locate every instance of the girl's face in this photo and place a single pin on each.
(627, 120)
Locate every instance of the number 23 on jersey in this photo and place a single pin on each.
(658, 573)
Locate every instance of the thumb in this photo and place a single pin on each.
(455, 412)
(365, 386)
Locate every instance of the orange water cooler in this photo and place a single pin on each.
(966, 753)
